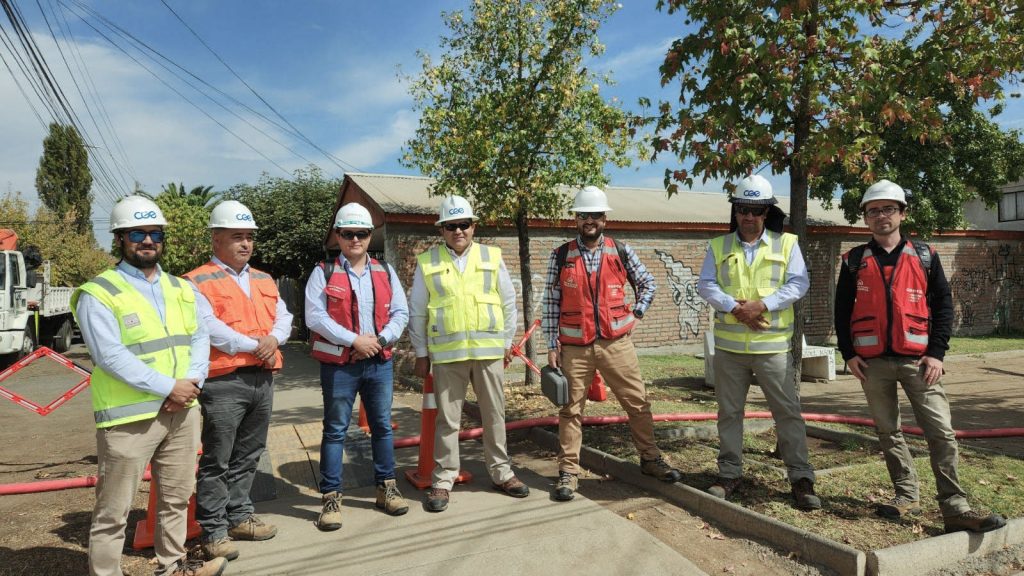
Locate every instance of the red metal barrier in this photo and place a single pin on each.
(35, 355)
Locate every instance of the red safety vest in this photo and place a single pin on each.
(890, 310)
(251, 315)
(593, 305)
(343, 308)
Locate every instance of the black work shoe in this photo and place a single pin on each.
(724, 487)
(804, 496)
(514, 487)
(899, 507)
(974, 522)
(565, 488)
(437, 500)
(660, 469)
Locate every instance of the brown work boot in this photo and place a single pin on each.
(330, 516)
(192, 565)
(252, 528)
(220, 548)
(804, 496)
(660, 469)
(899, 507)
(724, 487)
(566, 487)
(974, 522)
(437, 500)
(514, 487)
(390, 499)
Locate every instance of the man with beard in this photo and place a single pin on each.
(248, 321)
(588, 325)
(751, 277)
(151, 355)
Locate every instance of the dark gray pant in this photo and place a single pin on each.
(236, 416)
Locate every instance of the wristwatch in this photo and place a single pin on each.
(382, 341)
(638, 313)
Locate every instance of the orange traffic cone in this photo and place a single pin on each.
(364, 424)
(597, 391)
(145, 529)
(421, 476)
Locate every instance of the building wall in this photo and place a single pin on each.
(987, 278)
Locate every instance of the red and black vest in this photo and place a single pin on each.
(593, 305)
(890, 310)
(343, 308)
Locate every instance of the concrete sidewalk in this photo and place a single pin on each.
(483, 531)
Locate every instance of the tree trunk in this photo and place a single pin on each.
(526, 276)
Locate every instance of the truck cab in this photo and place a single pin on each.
(16, 332)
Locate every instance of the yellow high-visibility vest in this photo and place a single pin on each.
(163, 345)
(465, 319)
(760, 278)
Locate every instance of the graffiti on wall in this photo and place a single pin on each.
(536, 290)
(999, 274)
(690, 307)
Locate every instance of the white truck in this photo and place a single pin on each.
(32, 311)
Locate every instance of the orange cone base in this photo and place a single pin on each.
(423, 481)
(366, 427)
(144, 529)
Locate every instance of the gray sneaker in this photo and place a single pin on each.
(330, 516)
(220, 548)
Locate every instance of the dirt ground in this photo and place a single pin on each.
(47, 533)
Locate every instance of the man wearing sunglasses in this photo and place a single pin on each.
(588, 326)
(248, 321)
(752, 276)
(894, 318)
(151, 355)
(462, 321)
(356, 309)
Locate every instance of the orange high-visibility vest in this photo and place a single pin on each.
(593, 306)
(343, 308)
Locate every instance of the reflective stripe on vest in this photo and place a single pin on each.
(253, 315)
(762, 277)
(465, 318)
(904, 298)
(581, 320)
(164, 345)
(343, 308)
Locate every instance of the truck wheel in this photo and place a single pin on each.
(28, 344)
(63, 336)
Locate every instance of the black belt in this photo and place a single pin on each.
(252, 369)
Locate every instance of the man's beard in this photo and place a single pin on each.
(141, 262)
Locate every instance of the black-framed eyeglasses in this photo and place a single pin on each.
(136, 236)
(884, 210)
(589, 215)
(349, 234)
(453, 226)
(752, 210)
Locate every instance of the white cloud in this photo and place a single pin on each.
(383, 146)
(638, 61)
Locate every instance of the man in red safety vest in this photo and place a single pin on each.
(588, 324)
(894, 318)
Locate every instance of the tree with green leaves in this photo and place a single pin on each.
(198, 195)
(188, 238)
(293, 215)
(63, 179)
(510, 112)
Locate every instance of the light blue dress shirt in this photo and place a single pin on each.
(320, 322)
(793, 287)
(230, 341)
(102, 335)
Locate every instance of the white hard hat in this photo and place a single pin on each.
(590, 199)
(454, 208)
(232, 214)
(754, 189)
(884, 190)
(353, 215)
(134, 211)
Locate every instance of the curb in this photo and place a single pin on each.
(943, 551)
(811, 548)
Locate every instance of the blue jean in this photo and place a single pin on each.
(373, 379)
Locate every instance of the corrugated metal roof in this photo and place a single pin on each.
(398, 194)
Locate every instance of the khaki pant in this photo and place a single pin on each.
(450, 382)
(931, 409)
(171, 441)
(617, 361)
(774, 373)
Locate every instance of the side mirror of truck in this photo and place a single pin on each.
(30, 278)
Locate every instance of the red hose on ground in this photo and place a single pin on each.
(87, 481)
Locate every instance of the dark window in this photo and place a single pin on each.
(1011, 206)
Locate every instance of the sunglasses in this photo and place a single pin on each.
(349, 235)
(457, 226)
(136, 236)
(751, 210)
(589, 215)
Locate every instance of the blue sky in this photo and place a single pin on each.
(330, 67)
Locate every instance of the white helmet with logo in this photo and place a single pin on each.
(232, 214)
(353, 215)
(590, 199)
(134, 211)
(454, 208)
(754, 189)
(884, 190)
